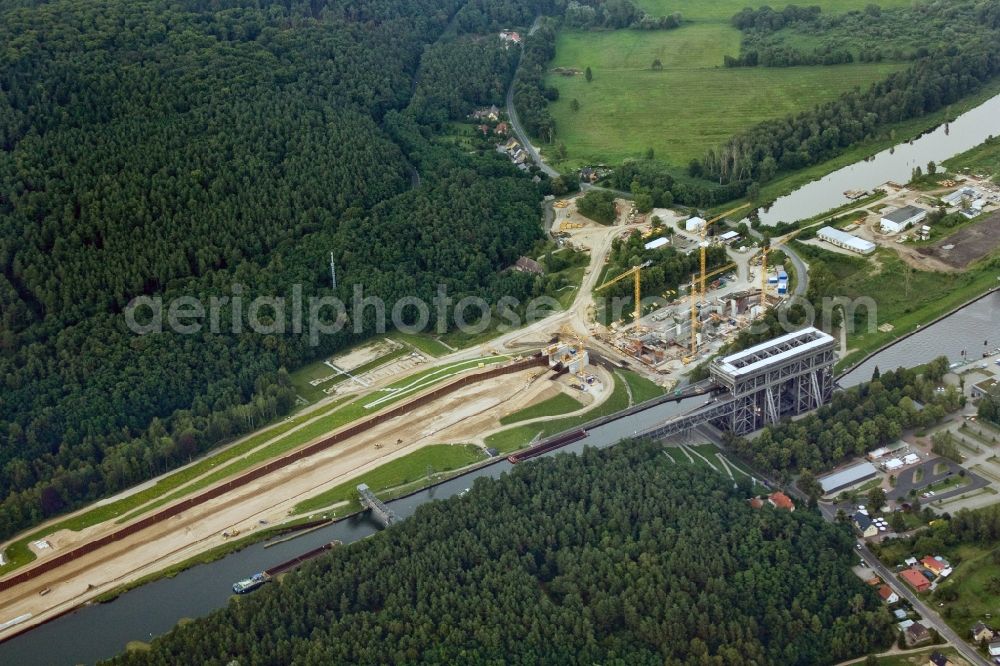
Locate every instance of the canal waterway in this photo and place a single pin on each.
(895, 164)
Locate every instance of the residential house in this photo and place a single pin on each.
(916, 580)
(935, 564)
(502, 128)
(938, 659)
(511, 145)
(780, 500)
(916, 634)
(588, 175)
(756, 502)
(528, 265)
(483, 128)
(510, 37)
(981, 633)
(865, 525)
(888, 596)
(494, 113)
(899, 613)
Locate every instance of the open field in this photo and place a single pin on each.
(723, 10)
(920, 657)
(641, 388)
(975, 582)
(693, 104)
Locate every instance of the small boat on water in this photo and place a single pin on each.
(250, 584)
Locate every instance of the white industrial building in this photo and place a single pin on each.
(969, 193)
(902, 218)
(729, 237)
(695, 224)
(847, 477)
(845, 240)
(654, 244)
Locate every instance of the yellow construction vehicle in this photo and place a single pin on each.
(635, 271)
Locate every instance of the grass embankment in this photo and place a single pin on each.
(555, 406)
(928, 296)
(512, 439)
(692, 104)
(642, 389)
(421, 465)
(983, 160)
(245, 454)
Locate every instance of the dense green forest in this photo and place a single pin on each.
(948, 68)
(805, 36)
(856, 421)
(613, 556)
(155, 148)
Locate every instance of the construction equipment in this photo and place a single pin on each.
(763, 263)
(694, 303)
(704, 241)
(634, 271)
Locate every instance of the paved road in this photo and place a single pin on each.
(515, 122)
(801, 268)
(930, 617)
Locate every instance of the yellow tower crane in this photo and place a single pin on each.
(694, 304)
(634, 271)
(704, 242)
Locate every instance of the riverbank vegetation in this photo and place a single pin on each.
(547, 585)
(856, 421)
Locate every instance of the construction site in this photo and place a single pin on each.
(669, 333)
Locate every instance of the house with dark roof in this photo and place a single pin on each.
(864, 525)
(916, 634)
(938, 659)
(528, 265)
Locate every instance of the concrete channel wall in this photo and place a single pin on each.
(263, 470)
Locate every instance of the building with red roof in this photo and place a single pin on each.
(780, 500)
(915, 579)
